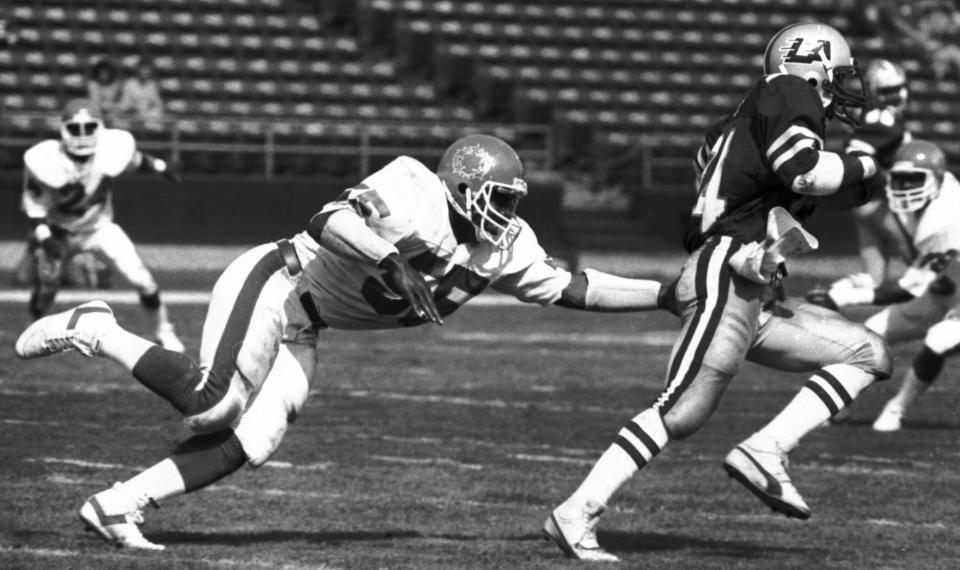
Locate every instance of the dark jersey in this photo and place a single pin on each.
(880, 135)
(748, 161)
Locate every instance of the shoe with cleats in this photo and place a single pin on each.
(889, 420)
(80, 328)
(114, 514)
(760, 465)
(168, 339)
(573, 527)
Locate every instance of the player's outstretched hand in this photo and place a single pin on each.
(410, 284)
(821, 296)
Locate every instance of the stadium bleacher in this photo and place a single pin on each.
(242, 73)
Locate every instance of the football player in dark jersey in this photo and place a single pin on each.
(882, 133)
(760, 170)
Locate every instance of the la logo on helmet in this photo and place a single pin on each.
(812, 55)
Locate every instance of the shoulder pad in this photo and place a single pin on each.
(115, 150)
(40, 154)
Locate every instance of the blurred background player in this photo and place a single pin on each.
(924, 202)
(405, 247)
(880, 135)
(67, 197)
(761, 164)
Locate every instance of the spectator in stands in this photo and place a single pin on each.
(103, 87)
(7, 37)
(140, 97)
(931, 25)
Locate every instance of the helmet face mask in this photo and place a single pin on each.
(915, 177)
(482, 176)
(80, 127)
(819, 54)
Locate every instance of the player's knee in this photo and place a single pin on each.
(215, 411)
(150, 300)
(872, 355)
(177, 379)
(261, 432)
(927, 364)
(943, 337)
(682, 422)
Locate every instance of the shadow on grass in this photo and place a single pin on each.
(616, 542)
(908, 425)
(622, 542)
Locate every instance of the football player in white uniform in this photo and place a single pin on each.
(405, 247)
(67, 198)
(923, 199)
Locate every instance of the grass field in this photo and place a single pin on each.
(446, 447)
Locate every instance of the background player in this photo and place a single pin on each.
(880, 135)
(405, 247)
(67, 197)
(924, 200)
(760, 165)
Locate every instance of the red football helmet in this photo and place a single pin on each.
(483, 179)
(916, 175)
(80, 126)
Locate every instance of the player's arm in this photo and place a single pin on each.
(790, 118)
(342, 231)
(594, 290)
(861, 289)
(35, 207)
(832, 173)
(146, 162)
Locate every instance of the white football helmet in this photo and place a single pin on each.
(916, 175)
(885, 84)
(820, 54)
(80, 126)
(483, 179)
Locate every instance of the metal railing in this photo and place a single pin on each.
(362, 139)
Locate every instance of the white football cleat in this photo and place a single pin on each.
(573, 527)
(80, 328)
(168, 339)
(114, 515)
(890, 419)
(760, 465)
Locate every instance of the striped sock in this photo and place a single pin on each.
(828, 391)
(638, 442)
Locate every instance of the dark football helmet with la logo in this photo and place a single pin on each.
(820, 54)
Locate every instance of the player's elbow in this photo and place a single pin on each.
(833, 172)
(823, 179)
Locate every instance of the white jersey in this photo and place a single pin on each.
(934, 239)
(405, 203)
(75, 195)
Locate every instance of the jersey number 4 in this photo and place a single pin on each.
(710, 206)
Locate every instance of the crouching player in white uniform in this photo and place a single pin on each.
(68, 199)
(405, 247)
(924, 200)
